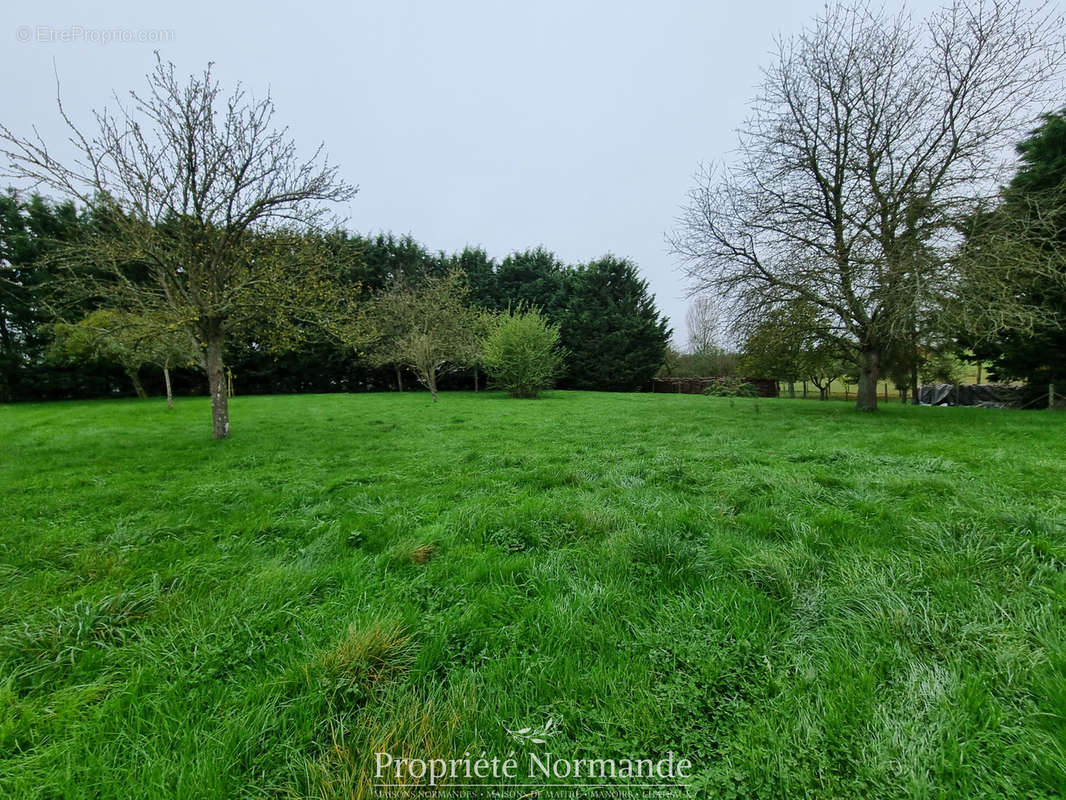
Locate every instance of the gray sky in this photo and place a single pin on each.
(576, 126)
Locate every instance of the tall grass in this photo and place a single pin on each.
(802, 600)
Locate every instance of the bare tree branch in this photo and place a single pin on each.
(871, 142)
(188, 188)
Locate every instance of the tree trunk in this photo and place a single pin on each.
(135, 379)
(399, 379)
(903, 395)
(216, 382)
(432, 375)
(475, 379)
(866, 399)
(7, 372)
(170, 393)
(914, 381)
(792, 389)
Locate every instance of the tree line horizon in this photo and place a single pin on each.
(34, 365)
(864, 219)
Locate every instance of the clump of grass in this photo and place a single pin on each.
(423, 553)
(56, 639)
(660, 557)
(408, 550)
(404, 724)
(365, 656)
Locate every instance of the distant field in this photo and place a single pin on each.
(886, 390)
(802, 600)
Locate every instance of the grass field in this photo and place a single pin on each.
(802, 600)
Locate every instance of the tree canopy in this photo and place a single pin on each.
(873, 138)
(614, 334)
(1031, 221)
(205, 204)
(426, 326)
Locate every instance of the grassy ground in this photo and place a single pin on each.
(802, 600)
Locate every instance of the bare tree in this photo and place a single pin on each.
(704, 322)
(871, 143)
(194, 188)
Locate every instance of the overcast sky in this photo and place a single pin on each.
(576, 126)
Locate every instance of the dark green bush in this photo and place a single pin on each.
(730, 387)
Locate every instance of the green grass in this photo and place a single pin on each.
(802, 600)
